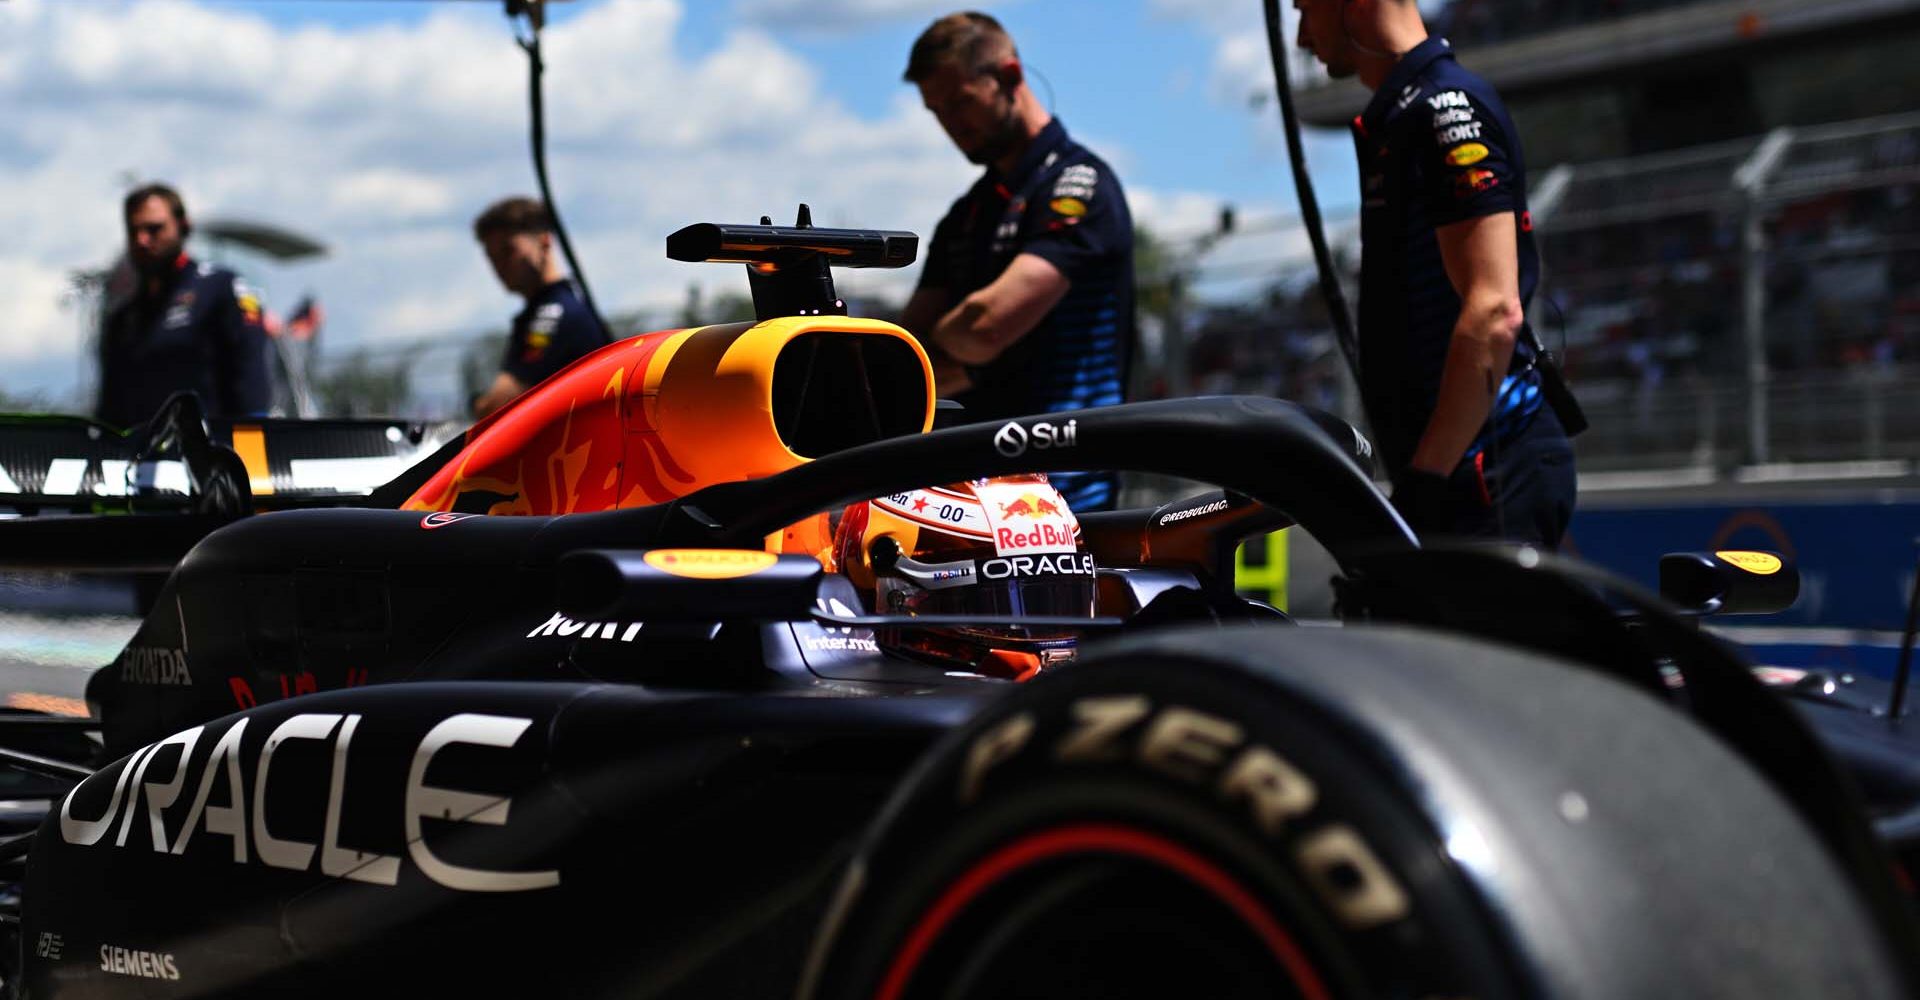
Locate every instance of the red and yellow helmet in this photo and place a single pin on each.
(988, 548)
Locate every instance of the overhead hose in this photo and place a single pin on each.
(536, 67)
(1330, 289)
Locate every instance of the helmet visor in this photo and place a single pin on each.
(1054, 597)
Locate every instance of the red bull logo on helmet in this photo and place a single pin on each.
(1028, 518)
(1033, 505)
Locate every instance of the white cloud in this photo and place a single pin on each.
(393, 193)
(383, 141)
(1174, 214)
(1242, 67)
(842, 15)
(36, 324)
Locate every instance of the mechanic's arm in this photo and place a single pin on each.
(919, 318)
(503, 390)
(1482, 262)
(990, 320)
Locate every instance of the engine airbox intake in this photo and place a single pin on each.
(651, 419)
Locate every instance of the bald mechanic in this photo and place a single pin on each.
(1448, 368)
(1026, 301)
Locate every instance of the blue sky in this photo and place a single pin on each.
(1144, 72)
(381, 128)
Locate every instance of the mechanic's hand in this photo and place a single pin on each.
(950, 378)
(1433, 504)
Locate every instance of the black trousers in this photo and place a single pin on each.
(1530, 482)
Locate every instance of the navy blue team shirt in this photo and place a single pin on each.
(1436, 147)
(1063, 204)
(200, 331)
(552, 332)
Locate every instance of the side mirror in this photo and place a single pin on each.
(1729, 582)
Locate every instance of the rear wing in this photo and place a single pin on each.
(180, 462)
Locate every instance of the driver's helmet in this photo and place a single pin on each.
(1007, 546)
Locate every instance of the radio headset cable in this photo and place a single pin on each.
(535, 11)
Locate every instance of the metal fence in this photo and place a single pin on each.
(1862, 416)
(1724, 267)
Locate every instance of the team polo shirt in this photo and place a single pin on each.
(549, 334)
(1064, 205)
(1436, 147)
(200, 331)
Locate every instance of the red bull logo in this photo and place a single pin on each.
(1031, 505)
(1027, 517)
(1040, 535)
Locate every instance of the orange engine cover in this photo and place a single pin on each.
(646, 420)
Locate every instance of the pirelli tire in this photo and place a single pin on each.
(1338, 813)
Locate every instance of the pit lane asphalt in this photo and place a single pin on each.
(55, 630)
(45, 660)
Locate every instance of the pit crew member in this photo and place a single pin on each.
(1447, 364)
(183, 325)
(1026, 300)
(555, 327)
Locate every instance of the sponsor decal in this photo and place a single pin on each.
(1013, 440)
(1072, 208)
(1408, 95)
(1458, 133)
(443, 518)
(1004, 234)
(565, 627)
(1779, 676)
(237, 816)
(1077, 181)
(1063, 564)
(180, 311)
(132, 962)
(1449, 99)
(1028, 518)
(49, 945)
(1467, 155)
(710, 564)
(841, 644)
(1181, 515)
(839, 640)
(1757, 563)
(158, 665)
(248, 300)
(938, 508)
(1475, 181)
(1452, 116)
(1211, 753)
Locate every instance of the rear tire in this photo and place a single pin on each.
(1339, 813)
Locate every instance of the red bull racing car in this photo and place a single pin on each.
(712, 668)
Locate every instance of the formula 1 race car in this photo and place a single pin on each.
(698, 672)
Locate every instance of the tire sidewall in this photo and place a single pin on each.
(1175, 751)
